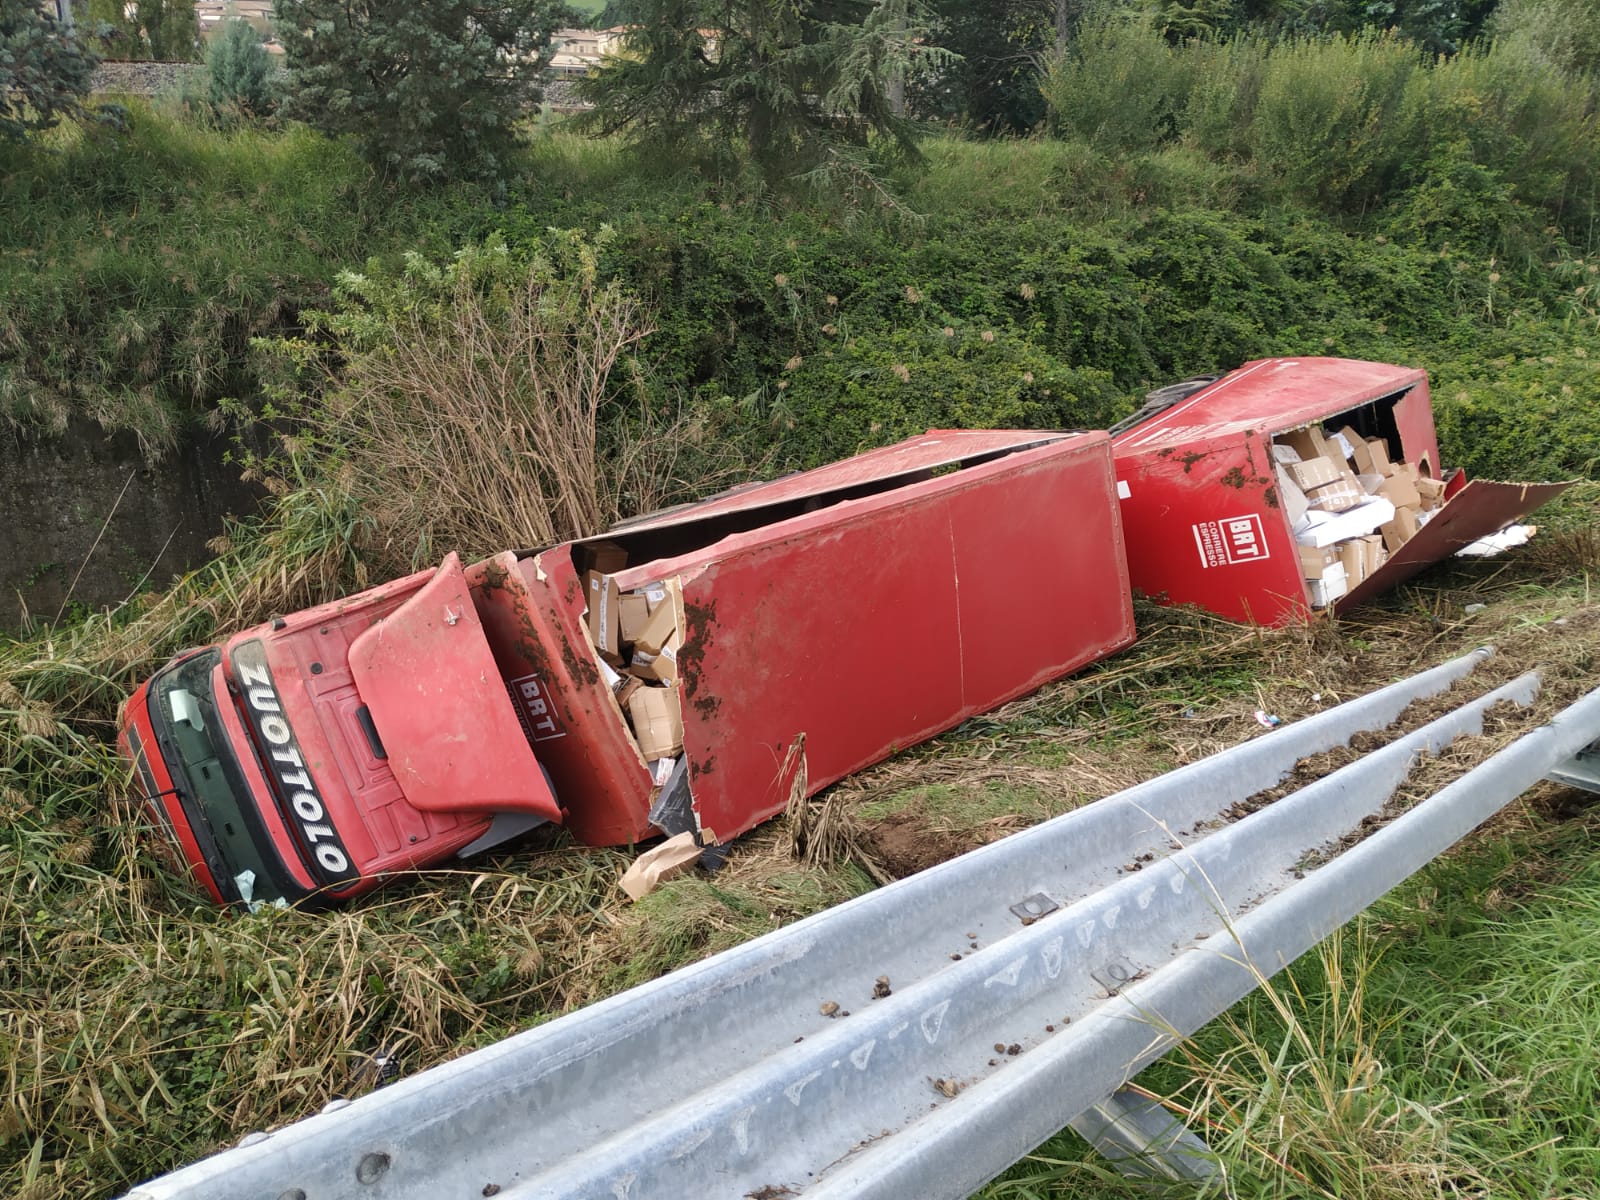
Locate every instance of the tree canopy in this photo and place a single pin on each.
(797, 88)
(429, 91)
(44, 70)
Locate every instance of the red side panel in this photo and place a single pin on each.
(1480, 508)
(533, 616)
(1204, 527)
(436, 698)
(874, 624)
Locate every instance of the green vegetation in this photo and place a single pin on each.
(428, 92)
(384, 311)
(162, 30)
(239, 73)
(795, 91)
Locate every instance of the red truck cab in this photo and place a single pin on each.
(265, 760)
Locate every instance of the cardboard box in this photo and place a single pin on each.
(661, 667)
(1399, 491)
(1336, 527)
(1314, 473)
(606, 558)
(1329, 588)
(1373, 553)
(657, 721)
(654, 867)
(603, 615)
(1431, 491)
(654, 594)
(1284, 454)
(1290, 497)
(1360, 452)
(1352, 557)
(1400, 530)
(1379, 450)
(1313, 561)
(1339, 496)
(658, 629)
(1308, 443)
(633, 610)
(625, 689)
(1371, 482)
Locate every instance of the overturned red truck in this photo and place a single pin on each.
(805, 628)
(688, 671)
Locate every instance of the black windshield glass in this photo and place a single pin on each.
(211, 787)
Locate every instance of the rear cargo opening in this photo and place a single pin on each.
(1354, 495)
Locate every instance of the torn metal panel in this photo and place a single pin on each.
(437, 702)
(1481, 507)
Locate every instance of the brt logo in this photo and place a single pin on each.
(536, 709)
(1245, 540)
(1230, 541)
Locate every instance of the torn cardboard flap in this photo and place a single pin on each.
(1359, 452)
(603, 617)
(662, 624)
(655, 866)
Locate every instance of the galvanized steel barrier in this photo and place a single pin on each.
(920, 1039)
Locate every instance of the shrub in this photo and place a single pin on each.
(875, 389)
(488, 403)
(1120, 87)
(240, 73)
(1332, 123)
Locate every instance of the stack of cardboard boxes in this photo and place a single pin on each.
(1349, 506)
(636, 635)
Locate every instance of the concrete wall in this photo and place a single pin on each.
(55, 495)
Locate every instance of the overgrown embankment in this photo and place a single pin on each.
(1199, 207)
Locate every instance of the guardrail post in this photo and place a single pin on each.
(1145, 1140)
(1581, 771)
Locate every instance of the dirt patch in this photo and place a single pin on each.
(908, 841)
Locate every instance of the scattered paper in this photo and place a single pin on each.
(1511, 535)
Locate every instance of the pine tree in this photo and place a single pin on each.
(430, 89)
(797, 87)
(44, 70)
(240, 72)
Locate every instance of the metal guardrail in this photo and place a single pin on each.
(920, 1039)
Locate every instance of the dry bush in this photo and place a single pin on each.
(508, 413)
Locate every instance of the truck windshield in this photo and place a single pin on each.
(211, 787)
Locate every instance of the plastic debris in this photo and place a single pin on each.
(1511, 535)
(1474, 608)
(1267, 719)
